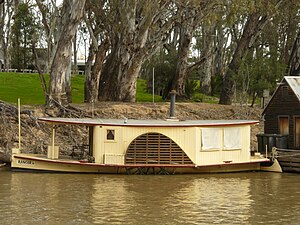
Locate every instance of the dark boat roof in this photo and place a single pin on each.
(146, 123)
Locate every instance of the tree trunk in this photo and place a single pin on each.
(191, 15)
(187, 28)
(205, 79)
(68, 78)
(52, 30)
(221, 41)
(252, 28)
(5, 35)
(92, 81)
(60, 68)
(294, 62)
(40, 72)
(179, 80)
(118, 79)
(136, 32)
(88, 73)
(75, 68)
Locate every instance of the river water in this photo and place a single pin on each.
(232, 198)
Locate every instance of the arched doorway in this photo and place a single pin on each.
(155, 148)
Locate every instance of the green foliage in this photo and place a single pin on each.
(142, 95)
(164, 64)
(216, 85)
(190, 88)
(199, 97)
(257, 73)
(23, 33)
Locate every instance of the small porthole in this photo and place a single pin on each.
(110, 135)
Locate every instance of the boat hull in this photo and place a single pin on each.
(26, 162)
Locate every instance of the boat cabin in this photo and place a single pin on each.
(164, 142)
(282, 114)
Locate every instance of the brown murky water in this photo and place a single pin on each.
(236, 198)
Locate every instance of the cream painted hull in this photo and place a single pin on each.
(41, 163)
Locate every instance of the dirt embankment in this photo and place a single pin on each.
(36, 136)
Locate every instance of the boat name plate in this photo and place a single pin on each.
(25, 162)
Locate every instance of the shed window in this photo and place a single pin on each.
(283, 125)
(211, 138)
(110, 135)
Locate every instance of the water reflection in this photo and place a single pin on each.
(275, 198)
(170, 200)
(238, 198)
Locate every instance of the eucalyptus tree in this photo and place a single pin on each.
(268, 60)
(50, 14)
(294, 61)
(60, 34)
(265, 62)
(286, 27)
(136, 29)
(94, 19)
(259, 13)
(209, 45)
(7, 10)
(192, 14)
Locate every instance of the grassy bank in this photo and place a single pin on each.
(28, 88)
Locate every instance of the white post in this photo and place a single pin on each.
(53, 137)
(19, 122)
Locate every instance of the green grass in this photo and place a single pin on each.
(28, 88)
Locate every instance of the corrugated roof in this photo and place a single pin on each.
(145, 123)
(294, 83)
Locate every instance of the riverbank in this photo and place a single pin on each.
(35, 136)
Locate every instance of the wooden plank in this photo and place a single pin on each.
(291, 169)
(289, 159)
(290, 164)
(155, 148)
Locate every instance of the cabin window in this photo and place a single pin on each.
(232, 138)
(283, 122)
(110, 135)
(211, 138)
